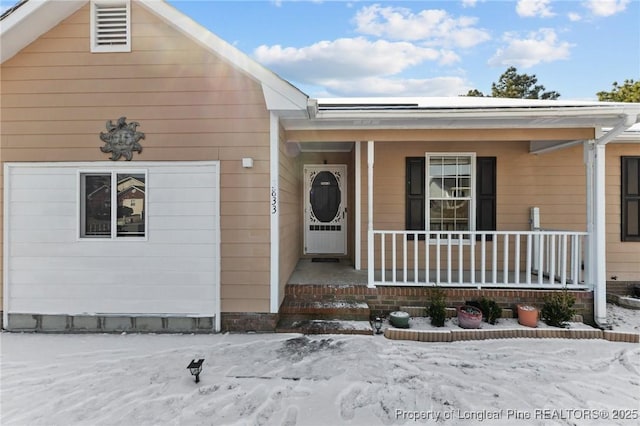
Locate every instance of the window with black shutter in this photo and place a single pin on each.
(415, 195)
(485, 194)
(630, 203)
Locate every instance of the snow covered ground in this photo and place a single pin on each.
(289, 379)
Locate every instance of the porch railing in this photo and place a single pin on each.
(509, 259)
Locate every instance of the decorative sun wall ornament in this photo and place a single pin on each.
(121, 139)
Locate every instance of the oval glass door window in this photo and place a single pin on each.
(325, 196)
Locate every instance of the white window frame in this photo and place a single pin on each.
(114, 204)
(472, 198)
(100, 48)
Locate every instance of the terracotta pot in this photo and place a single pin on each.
(528, 315)
(469, 316)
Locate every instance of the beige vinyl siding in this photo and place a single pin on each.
(191, 105)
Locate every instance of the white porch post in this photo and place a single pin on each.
(370, 254)
(596, 257)
(590, 243)
(600, 235)
(358, 207)
(274, 171)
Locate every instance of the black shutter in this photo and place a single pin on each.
(486, 194)
(630, 202)
(415, 195)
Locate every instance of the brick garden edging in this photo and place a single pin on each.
(506, 333)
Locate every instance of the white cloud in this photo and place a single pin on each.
(434, 27)
(540, 46)
(469, 3)
(346, 57)
(606, 7)
(574, 17)
(532, 8)
(392, 41)
(377, 86)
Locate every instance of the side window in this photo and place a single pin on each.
(112, 205)
(96, 205)
(630, 202)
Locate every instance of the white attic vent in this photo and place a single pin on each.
(111, 26)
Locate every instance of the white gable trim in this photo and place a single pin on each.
(30, 21)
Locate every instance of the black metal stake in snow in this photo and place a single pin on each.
(196, 367)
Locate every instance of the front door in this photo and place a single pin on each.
(325, 209)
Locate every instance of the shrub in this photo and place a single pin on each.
(437, 307)
(558, 309)
(490, 310)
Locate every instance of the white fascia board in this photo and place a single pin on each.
(615, 111)
(281, 94)
(462, 102)
(602, 115)
(30, 21)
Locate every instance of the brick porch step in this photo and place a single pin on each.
(323, 316)
(311, 326)
(328, 309)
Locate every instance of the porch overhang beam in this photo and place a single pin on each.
(627, 121)
(544, 147)
(442, 135)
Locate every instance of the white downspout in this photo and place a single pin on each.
(358, 207)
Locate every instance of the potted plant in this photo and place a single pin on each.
(491, 311)
(528, 315)
(469, 316)
(399, 319)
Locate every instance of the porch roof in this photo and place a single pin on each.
(461, 112)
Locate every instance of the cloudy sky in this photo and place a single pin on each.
(431, 48)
